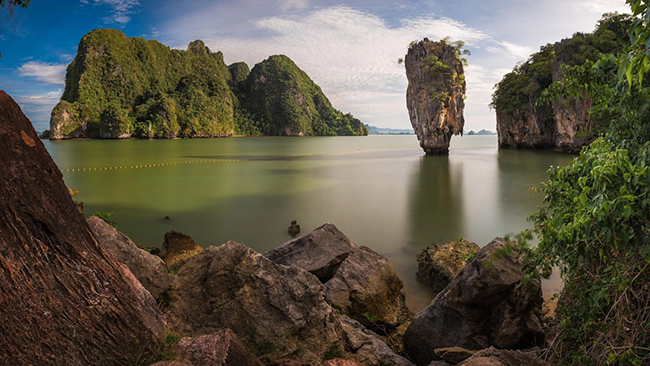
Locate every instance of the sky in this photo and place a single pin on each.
(349, 48)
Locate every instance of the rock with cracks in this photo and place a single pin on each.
(278, 311)
(358, 282)
(366, 346)
(485, 305)
(435, 96)
(222, 348)
(64, 299)
(149, 269)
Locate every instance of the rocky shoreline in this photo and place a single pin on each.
(79, 292)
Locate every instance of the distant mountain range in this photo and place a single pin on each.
(372, 130)
(481, 133)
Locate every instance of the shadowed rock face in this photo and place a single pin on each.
(485, 305)
(435, 94)
(63, 298)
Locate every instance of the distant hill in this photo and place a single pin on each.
(372, 130)
(119, 87)
(480, 133)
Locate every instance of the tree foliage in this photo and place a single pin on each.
(595, 222)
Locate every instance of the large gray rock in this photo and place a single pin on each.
(366, 346)
(149, 269)
(278, 311)
(177, 249)
(498, 357)
(485, 305)
(358, 282)
(435, 96)
(366, 288)
(439, 263)
(321, 252)
(222, 348)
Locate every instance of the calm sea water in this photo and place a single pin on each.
(381, 191)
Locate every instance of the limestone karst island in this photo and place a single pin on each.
(293, 183)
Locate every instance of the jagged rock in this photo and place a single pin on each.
(439, 263)
(222, 348)
(149, 269)
(498, 357)
(453, 355)
(366, 346)
(64, 299)
(485, 305)
(320, 252)
(435, 94)
(278, 311)
(177, 249)
(357, 280)
(366, 288)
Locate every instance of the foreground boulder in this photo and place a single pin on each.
(149, 269)
(439, 263)
(485, 305)
(177, 249)
(278, 311)
(222, 348)
(366, 346)
(358, 282)
(63, 298)
(435, 96)
(498, 357)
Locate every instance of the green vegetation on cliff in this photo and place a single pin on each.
(280, 99)
(520, 90)
(119, 87)
(595, 223)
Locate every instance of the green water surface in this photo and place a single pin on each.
(381, 191)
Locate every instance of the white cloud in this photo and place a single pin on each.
(38, 107)
(121, 10)
(47, 73)
(353, 56)
(286, 5)
(604, 6)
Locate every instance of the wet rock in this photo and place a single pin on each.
(497, 357)
(177, 249)
(149, 269)
(453, 355)
(485, 305)
(366, 346)
(320, 252)
(278, 311)
(222, 348)
(439, 263)
(435, 94)
(64, 299)
(358, 282)
(294, 228)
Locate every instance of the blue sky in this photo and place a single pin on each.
(350, 48)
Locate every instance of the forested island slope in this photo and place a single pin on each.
(119, 87)
(528, 118)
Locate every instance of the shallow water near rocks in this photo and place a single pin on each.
(381, 191)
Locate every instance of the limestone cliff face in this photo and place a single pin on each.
(435, 94)
(525, 121)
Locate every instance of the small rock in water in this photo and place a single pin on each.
(294, 228)
(167, 218)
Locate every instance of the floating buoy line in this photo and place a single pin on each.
(145, 166)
